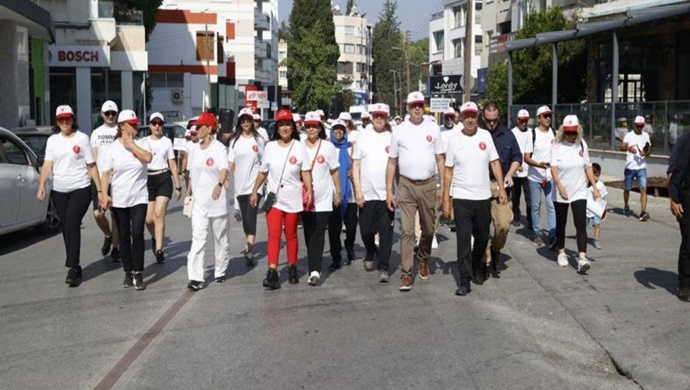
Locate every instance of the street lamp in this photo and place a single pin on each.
(395, 88)
(407, 65)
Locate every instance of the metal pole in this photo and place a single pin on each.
(208, 72)
(554, 83)
(614, 87)
(395, 90)
(469, 39)
(510, 83)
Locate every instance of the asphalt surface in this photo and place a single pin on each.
(538, 326)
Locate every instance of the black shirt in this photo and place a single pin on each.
(678, 167)
(507, 148)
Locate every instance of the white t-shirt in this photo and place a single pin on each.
(128, 179)
(541, 151)
(602, 194)
(162, 150)
(101, 138)
(571, 160)
(69, 155)
(470, 158)
(372, 151)
(447, 134)
(205, 166)
(289, 198)
(416, 147)
(321, 178)
(263, 133)
(635, 161)
(246, 153)
(523, 139)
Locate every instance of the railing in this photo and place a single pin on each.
(667, 121)
(130, 17)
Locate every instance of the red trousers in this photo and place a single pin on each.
(276, 220)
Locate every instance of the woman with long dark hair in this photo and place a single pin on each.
(285, 165)
(125, 171)
(70, 163)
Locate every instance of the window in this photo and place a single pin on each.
(350, 30)
(349, 48)
(204, 45)
(362, 50)
(166, 80)
(340, 30)
(283, 74)
(457, 48)
(478, 13)
(12, 153)
(478, 45)
(439, 41)
(458, 17)
(345, 68)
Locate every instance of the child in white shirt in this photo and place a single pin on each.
(592, 219)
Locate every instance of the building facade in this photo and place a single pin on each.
(353, 36)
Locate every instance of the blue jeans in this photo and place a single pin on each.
(639, 174)
(535, 206)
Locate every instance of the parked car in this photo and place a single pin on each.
(36, 138)
(19, 178)
(270, 126)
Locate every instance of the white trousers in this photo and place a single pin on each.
(195, 258)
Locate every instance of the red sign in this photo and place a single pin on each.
(293, 160)
(482, 146)
(76, 149)
(209, 162)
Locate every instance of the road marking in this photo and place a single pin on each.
(135, 351)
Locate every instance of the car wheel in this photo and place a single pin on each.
(51, 224)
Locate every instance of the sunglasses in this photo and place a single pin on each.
(110, 113)
(416, 105)
(546, 116)
(157, 123)
(495, 120)
(245, 120)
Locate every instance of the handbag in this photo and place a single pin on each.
(308, 204)
(188, 206)
(272, 198)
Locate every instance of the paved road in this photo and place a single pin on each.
(538, 326)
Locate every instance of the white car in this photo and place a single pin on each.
(19, 177)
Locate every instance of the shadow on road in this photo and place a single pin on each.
(653, 278)
(22, 239)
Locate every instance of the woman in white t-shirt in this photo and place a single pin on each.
(284, 163)
(159, 183)
(244, 155)
(208, 170)
(71, 165)
(571, 169)
(124, 170)
(323, 159)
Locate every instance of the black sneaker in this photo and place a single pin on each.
(74, 277)
(463, 290)
(249, 259)
(115, 255)
(626, 211)
(195, 285)
(139, 281)
(478, 279)
(272, 280)
(451, 226)
(683, 294)
(538, 241)
(552, 243)
(335, 265)
(160, 257)
(350, 256)
(238, 216)
(129, 280)
(153, 246)
(292, 274)
(107, 243)
(220, 279)
(644, 216)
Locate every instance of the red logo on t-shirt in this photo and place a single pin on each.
(255, 148)
(388, 149)
(76, 149)
(320, 159)
(209, 162)
(582, 152)
(293, 160)
(429, 138)
(482, 146)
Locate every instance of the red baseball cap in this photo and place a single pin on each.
(284, 115)
(207, 119)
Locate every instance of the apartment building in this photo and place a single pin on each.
(209, 53)
(353, 36)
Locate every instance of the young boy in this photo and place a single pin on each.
(592, 219)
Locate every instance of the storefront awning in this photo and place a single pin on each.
(28, 14)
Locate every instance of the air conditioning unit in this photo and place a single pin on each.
(177, 95)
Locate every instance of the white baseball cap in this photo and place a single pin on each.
(543, 110)
(256, 117)
(380, 108)
(365, 115)
(639, 120)
(415, 97)
(345, 116)
(338, 122)
(570, 123)
(109, 105)
(128, 116)
(523, 114)
(449, 112)
(156, 115)
(64, 111)
(296, 117)
(469, 107)
(246, 111)
(321, 113)
(312, 118)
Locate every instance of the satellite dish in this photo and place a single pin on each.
(336, 9)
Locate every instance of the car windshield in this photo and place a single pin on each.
(36, 142)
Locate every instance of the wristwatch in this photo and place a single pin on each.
(220, 184)
(178, 188)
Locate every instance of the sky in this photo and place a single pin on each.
(412, 15)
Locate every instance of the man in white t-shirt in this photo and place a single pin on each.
(101, 138)
(466, 180)
(523, 135)
(537, 156)
(416, 152)
(449, 129)
(257, 125)
(637, 146)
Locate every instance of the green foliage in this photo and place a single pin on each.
(284, 31)
(532, 67)
(497, 82)
(148, 7)
(418, 54)
(386, 36)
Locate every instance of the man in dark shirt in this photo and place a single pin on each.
(679, 192)
(510, 158)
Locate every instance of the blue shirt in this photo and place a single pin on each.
(507, 148)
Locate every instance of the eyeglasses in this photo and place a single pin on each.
(492, 121)
(245, 120)
(110, 113)
(546, 116)
(416, 105)
(157, 123)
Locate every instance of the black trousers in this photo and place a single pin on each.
(130, 224)
(579, 208)
(520, 185)
(248, 214)
(335, 223)
(472, 218)
(684, 252)
(314, 226)
(374, 218)
(71, 207)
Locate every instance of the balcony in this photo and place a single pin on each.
(262, 49)
(262, 22)
(498, 44)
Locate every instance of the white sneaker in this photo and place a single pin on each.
(314, 278)
(583, 265)
(563, 260)
(434, 243)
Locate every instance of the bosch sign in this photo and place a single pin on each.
(79, 56)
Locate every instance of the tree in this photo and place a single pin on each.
(284, 31)
(312, 54)
(532, 66)
(386, 37)
(148, 7)
(348, 7)
(418, 55)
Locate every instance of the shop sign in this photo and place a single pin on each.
(79, 56)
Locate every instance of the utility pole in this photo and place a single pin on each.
(209, 47)
(469, 40)
(407, 59)
(395, 89)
